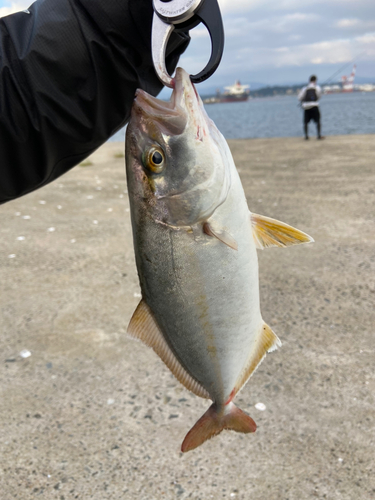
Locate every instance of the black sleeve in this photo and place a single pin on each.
(68, 73)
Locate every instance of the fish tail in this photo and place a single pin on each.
(215, 420)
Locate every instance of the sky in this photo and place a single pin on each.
(281, 41)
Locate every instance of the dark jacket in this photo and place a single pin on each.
(68, 73)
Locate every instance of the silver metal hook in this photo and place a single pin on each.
(161, 32)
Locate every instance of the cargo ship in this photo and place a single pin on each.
(232, 93)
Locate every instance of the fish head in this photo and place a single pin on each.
(178, 163)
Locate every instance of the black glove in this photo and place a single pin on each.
(68, 74)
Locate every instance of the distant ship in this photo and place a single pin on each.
(233, 93)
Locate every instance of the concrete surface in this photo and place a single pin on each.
(92, 414)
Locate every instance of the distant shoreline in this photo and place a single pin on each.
(281, 116)
(288, 138)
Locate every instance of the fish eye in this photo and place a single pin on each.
(154, 159)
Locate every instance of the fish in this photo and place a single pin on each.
(195, 244)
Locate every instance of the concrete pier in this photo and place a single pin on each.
(87, 413)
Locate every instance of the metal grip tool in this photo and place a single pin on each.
(184, 15)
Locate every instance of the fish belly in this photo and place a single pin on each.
(204, 295)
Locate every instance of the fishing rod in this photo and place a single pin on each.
(337, 72)
(342, 68)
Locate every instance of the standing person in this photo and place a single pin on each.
(69, 70)
(309, 98)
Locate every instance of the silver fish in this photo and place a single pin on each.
(195, 244)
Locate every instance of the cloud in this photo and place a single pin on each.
(367, 38)
(296, 4)
(266, 29)
(234, 6)
(279, 39)
(228, 6)
(325, 52)
(244, 6)
(14, 7)
(347, 23)
(199, 32)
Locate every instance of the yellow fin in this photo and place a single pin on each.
(273, 233)
(143, 326)
(221, 235)
(267, 341)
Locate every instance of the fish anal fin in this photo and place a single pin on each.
(267, 341)
(214, 421)
(143, 327)
(273, 233)
(221, 235)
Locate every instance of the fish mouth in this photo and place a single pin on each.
(152, 105)
(171, 116)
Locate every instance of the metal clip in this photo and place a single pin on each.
(184, 15)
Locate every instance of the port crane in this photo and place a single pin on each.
(348, 81)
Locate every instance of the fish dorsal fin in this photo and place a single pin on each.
(143, 326)
(267, 341)
(221, 235)
(273, 233)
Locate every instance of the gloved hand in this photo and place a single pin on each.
(68, 74)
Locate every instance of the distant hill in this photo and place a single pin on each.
(258, 89)
(277, 90)
(211, 90)
(268, 91)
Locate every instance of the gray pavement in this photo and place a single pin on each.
(91, 414)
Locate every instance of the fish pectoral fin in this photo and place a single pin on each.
(143, 327)
(269, 232)
(221, 235)
(267, 341)
(214, 421)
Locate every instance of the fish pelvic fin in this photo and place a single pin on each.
(267, 341)
(215, 420)
(143, 327)
(273, 233)
(221, 235)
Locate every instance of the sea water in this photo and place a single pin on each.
(281, 116)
